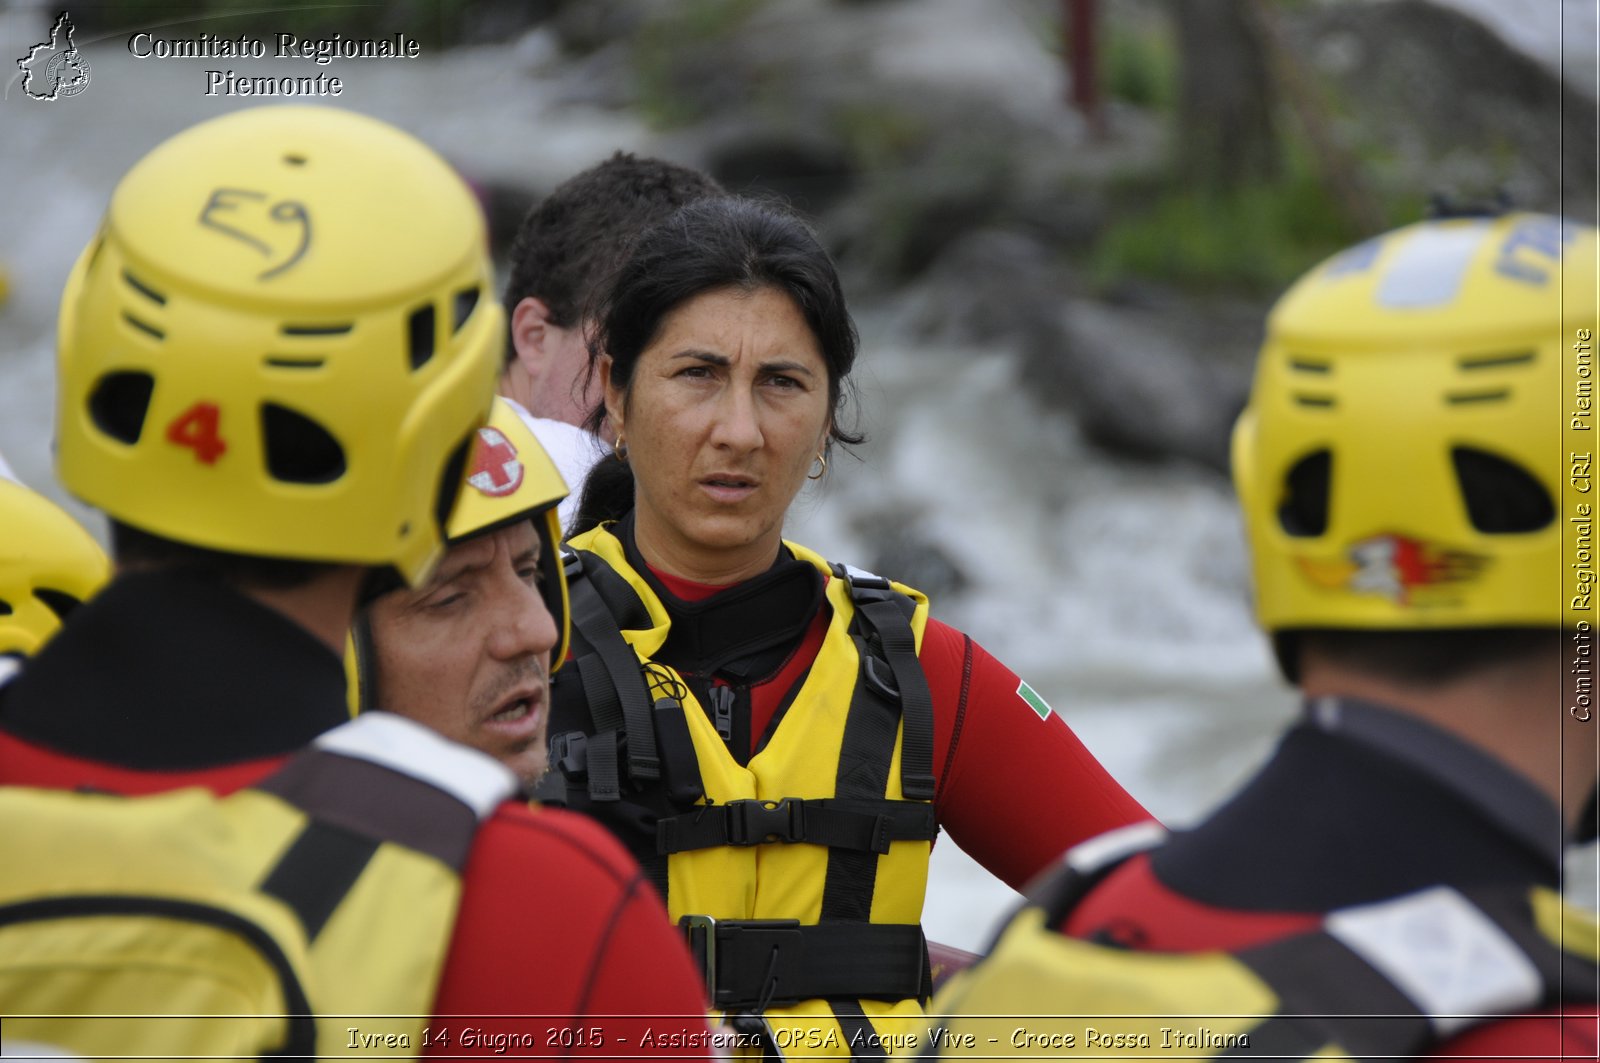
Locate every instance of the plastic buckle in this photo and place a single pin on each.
(860, 577)
(569, 752)
(879, 676)
(722, 698)
(752, 822)
(753, 1025)
(767, 958)
(571, 564)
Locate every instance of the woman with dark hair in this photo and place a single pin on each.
(779, 739)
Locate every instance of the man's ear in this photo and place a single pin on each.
(530, 331)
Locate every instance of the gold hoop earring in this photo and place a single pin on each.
(619, 450)
(821, 457)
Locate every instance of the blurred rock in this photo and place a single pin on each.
(929, 141)
(1563, 35)
(996, 288)
(1141, 386)
(900, 552)
(899, 125)
(493, 21)
(808, 169)
(1158, 377)
(1452, 106)
(504, 207)
(586, 26)
(602, 78)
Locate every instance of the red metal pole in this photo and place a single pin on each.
(1079, 19)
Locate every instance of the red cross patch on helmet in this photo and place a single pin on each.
(496, 468)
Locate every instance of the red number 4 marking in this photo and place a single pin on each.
(196, 428)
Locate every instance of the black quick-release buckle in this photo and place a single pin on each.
(571, 563)
(879, 677)
(752, 822)
(569, 754)
(861, 578)
(746, 963)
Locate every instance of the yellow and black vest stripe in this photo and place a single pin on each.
(307, 916)
(1384, 980)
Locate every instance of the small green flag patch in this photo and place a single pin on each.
(1035, 702)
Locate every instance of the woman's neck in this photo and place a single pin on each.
(709, 567)
(685, 589)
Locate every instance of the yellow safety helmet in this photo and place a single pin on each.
(48, 566)
(509, 478)
(281, 341)
(1401, 462)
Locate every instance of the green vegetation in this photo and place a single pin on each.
(879, 136)
(1141, 65)
(677, 53)
(1253, 240)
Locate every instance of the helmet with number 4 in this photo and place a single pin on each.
(1401, 461)
(48, 566)
(281, 341)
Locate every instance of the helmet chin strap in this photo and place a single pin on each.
(366, 663)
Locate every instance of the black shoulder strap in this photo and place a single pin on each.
(622, 754)
(620, 700)
(890, 693)
(625, 707)
(353, 807)
(885, 616)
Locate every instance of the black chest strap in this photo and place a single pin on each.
(861, 825)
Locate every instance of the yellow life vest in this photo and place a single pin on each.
(800, 875)
(306, 916)
(1383, 980)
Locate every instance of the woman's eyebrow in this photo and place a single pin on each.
(704, 356)
(783, 366)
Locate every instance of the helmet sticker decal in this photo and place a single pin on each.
(1543, 235)
(1356, 260)
(1428, 269)
(1405, 570)
(230, 210)
(496, 468)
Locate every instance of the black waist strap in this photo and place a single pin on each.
(867, 826)
(768, 963)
